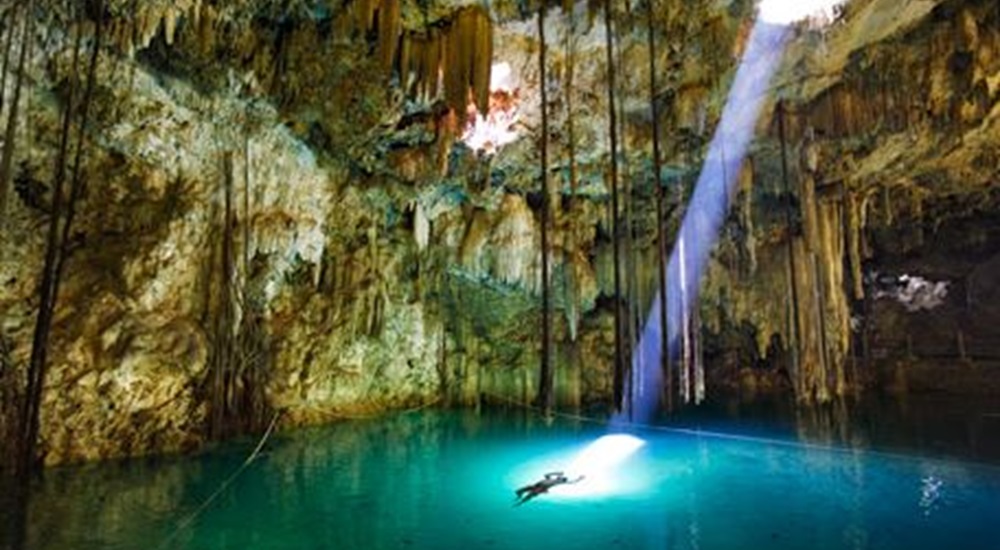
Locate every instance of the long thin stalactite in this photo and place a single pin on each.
(796, 330)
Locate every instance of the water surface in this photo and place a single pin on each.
(445, 480)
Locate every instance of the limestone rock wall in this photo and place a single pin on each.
(379, 263)
(891, 125)
(370, 272)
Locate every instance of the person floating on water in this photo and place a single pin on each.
(551, 479)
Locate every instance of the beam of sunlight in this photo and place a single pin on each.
(706, 210)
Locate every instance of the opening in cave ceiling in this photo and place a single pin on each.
(490, 131)
(784, 12)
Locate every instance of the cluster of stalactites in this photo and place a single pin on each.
(453, 57)
(456, 56)
(135, 31)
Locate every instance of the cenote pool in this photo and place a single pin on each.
(446, 480)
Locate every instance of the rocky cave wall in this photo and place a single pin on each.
(891, 140)
(382, 264)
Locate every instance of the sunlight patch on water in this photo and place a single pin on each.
(600, 464)
(603, 463)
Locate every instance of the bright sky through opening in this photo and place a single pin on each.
(785, 12)
(491, 131)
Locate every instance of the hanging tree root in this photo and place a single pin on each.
(10, 399)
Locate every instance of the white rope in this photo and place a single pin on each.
(743, 438)
(186, 522)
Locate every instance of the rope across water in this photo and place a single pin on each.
(187, 521)
(621, 425)
(190, 518)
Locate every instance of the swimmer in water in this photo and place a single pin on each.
(550, 480)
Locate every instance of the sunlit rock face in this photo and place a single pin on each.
(390, 263)
(890, 133)
(505, 245)
(130, 341)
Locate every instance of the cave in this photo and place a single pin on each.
(453, 274)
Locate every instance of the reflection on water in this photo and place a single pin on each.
(446, 480)
(940, 426)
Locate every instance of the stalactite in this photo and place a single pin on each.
(459, 51)
(836, 310)
(571, 249)
(120, 33)
(795, 329)
(816, 353)
(824, 314)
(370, 301)
(807, 196)
(170, 25)
(868, 217)
(482, 62)
(421, 227)
(812, 351)
(413, 60)
(390, 27)
(457, 68)
(822, 369)
(468, 60)
(364, 14)
(433, 58)
(150, 25)
(854, 236)
(405, 65)
(247, 219)
(130, 31)
(572, 293)
(251, 339)
(748, 264)
(888, 214)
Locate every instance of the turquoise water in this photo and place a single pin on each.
(445, 481)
